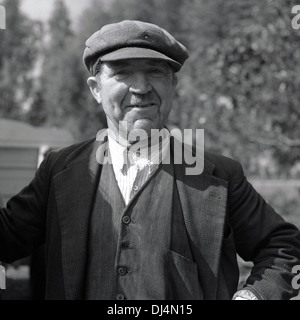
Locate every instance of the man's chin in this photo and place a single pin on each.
(142, 124)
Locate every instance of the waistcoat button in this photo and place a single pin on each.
(126, 219)
(122, 271)
(120, 296)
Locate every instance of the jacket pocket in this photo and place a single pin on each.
(183, 278)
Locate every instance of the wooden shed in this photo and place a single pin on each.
(22, 148)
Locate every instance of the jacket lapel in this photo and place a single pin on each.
(75, 188)
(204, 198)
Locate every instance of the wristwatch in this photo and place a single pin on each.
(244, 295)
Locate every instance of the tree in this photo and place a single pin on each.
(56, 81)
(240, 83)
(56, 101)
(63, 98)
(19, 47)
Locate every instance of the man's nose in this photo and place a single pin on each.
(140, 83)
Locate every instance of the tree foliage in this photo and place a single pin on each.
(19, 48)
(62, 98)
(251, 79)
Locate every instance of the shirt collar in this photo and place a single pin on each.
(121, 155)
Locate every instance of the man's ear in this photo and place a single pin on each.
(94, 87)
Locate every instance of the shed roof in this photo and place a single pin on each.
(19, 134)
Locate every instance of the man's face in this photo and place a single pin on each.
(138, 91)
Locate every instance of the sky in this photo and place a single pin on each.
(42, 9)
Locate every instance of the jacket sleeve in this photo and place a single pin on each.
(263, 237)
(22, 222)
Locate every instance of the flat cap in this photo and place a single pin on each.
(133, 39)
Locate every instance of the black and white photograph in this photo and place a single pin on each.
(149, 151)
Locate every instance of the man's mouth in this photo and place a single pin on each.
(141, 105)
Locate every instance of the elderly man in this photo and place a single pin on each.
(137, 227)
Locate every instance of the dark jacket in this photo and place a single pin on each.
(222, 212)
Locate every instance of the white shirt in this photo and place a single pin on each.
(133, 169)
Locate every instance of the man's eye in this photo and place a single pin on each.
(157, 72)
(121, 73)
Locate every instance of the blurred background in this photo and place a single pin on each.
(240, 84)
